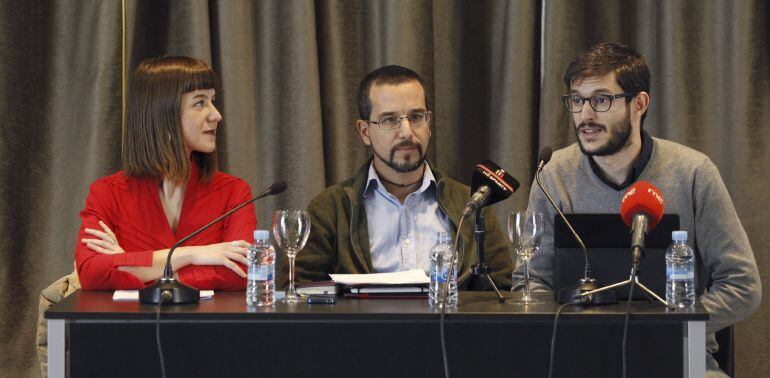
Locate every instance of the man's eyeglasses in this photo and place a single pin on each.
(599, 102)
(416, 119)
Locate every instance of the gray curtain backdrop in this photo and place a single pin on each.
(289, 71)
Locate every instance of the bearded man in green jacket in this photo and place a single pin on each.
(386, 217)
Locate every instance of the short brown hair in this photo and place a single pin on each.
(393, 75)
(152, 137)
(629, 67)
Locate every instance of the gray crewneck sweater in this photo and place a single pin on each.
(693, 189)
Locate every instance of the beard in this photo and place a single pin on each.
(620, 136)
(407, 165)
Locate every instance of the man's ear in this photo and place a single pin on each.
(640, 103)
(363, 131)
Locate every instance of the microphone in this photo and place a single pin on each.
(168, 289)
(490, 184)
(641, 209)
(277, 188)
(543, 158)
(587, 283)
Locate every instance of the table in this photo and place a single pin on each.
(91, 335)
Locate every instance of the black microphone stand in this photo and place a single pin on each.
(481, 268)
(587, 284)
(637, 253)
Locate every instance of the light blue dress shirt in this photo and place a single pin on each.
(401, 235)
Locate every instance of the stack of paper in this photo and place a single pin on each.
(408, 277)
(410, 283)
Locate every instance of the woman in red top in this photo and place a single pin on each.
(168, 188)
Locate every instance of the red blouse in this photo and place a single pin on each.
(131, 208)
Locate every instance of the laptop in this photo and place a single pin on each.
(608, 241)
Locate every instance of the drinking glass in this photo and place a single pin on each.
(290, 230)
(525, 230)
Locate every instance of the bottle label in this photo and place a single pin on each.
(264, 273)
(679, 273)
(440, 276)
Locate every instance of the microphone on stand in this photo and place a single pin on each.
(573, 293)
(490, 184)
(543, 158)
(641, 209)
(168, 289)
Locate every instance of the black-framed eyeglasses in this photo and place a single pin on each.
(598, 102)
(416, 119)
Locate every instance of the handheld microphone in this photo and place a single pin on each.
(490, 184)
(168, 289)
(641, 209)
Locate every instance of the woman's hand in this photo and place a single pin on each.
(227, 254)
(106, 243)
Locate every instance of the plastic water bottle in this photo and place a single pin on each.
(440, 259)
(680, 272)
(260, 289)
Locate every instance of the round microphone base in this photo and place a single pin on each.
(573, 294)
(169, 291)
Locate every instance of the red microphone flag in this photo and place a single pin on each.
(642, 197)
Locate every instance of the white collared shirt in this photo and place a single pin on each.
(401, 235)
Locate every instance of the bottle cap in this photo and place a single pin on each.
(679, 235)
(443, 237)
(261, 235)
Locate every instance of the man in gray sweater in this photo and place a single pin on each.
(608, 95)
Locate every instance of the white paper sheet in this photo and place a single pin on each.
(414, 276)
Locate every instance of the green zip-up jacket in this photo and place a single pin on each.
(339, 239)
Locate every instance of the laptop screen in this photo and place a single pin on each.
(608, 241)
